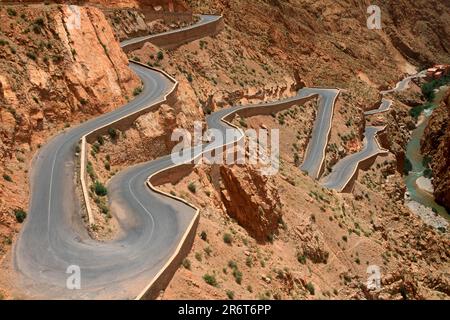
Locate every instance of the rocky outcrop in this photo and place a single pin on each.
(252, 200)
(55, 73)
(436, 145)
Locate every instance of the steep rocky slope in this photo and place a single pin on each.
(52, 76)
(436, 144)
(316, 243)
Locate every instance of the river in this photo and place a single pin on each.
(415, 156)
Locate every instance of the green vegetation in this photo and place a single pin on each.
(20, 214)
(186, 264)
(407, 166)
(203, 236)
(11, 12)
(100, 189)
(416, 111)
(198, 256)
(429, 87)
(237, 274)
(310, 288)
(228, 238)
(90, 170)
(113, 133)
(301, 258)
(230, 294)
(32, 56)
(249, 262)
(7, 177)
(428, 173)
(38, 24)
(192, 188)
(160, 55)
(208, 251)
(210, 279)
(137, 91)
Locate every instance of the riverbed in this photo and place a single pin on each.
(421, 200)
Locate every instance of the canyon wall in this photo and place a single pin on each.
(52, 74)
(436, 145)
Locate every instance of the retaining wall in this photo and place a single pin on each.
(174, 39)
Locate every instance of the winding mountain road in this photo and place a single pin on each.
(315, 152)
(152, 224)
(346, 169)
(54, 236)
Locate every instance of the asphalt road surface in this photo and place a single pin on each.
(315, 152)
(345, 169)
(384, 106)
(54, 237)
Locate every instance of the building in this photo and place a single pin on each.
(438, 71)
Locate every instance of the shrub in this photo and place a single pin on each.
(100, 189)
(232, 264)
(249, 262)
(160, 55)
(11, 12)
(113, 133)
(301, 258)
(230, 294)
(310, 288)
(32, 56)
(39, 22)
(186, 264)
(208, 251)
(192, 188)
(83, 102)
(210, 279)
(228, 238)
(243, 123)
(198, 256)
(137, 91)
(203, 236)
(3, 42)
(7, 178)
(101, 140)
(90, 170)
(20, 214)
(407, 166)
(107, 166)
(189, 77)
(237, 275)
(428, 173)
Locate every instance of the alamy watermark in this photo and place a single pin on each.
(374, 277)
(73, 281)
(228, 146)
(74, 18)
(374, 20)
